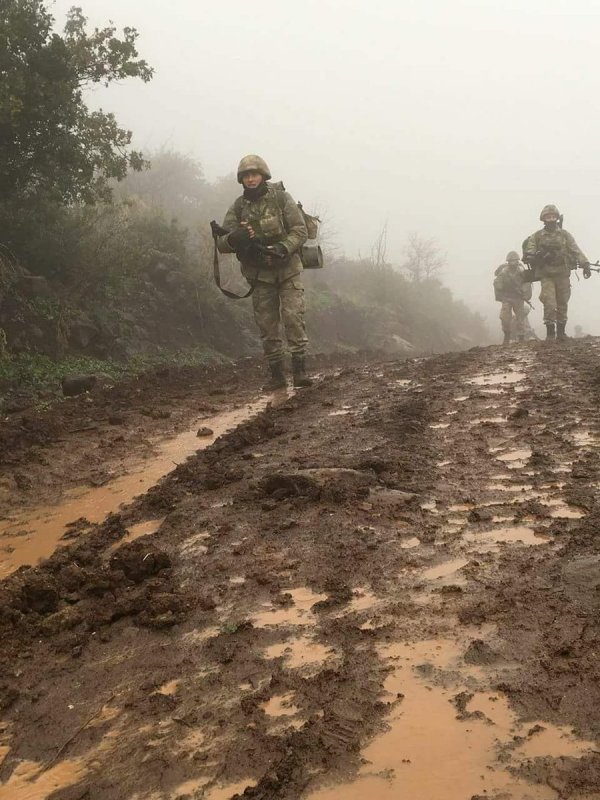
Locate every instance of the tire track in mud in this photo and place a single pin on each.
(336, 581)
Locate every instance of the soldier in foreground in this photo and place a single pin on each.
(512, 292)
(552, 253)
(265, 229)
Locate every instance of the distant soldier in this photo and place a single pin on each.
(512, 292)
(266, 231)
(552, 253)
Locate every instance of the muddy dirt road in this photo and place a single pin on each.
(386, 586)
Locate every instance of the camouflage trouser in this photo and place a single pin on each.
(555, 293)
(506, 315)
(275, 304)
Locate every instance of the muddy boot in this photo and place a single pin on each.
(301, 380)
(277, 380)
(560, 330)
(550, 331)
(506, 339)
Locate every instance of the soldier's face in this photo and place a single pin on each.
(513, 263)
(550, 219)
(252, 179)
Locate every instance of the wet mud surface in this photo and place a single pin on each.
(384, 586)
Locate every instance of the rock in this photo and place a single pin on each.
(73, 385)
(204, 431)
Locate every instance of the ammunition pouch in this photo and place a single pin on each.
(311, 255)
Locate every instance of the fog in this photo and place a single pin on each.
(456, 119)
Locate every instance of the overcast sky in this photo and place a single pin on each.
(458, 119)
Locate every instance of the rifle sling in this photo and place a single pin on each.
(217, 277)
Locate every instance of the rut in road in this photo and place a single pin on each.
(385, 587)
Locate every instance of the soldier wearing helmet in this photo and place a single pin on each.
(265, 229)
(512, 292)
(552, 253)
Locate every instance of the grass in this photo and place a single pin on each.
(36, 374)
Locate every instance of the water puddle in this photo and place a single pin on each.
(515, 455)
(567, 512)
(430, 505)
(430, 753)
(341, 412)
(297, 614)
(540, 739)
(362, 599)
(488, 420)
(281, 705)
(512, 534)
(408, 544)
(584, 438)
(138, 530)
(439, 426)
(29, 781)
(445, 569)
(461, 399)
(461, 507)
(443, 463)
(169, 689)
(300, 652)
(46, 525)
(497, 378)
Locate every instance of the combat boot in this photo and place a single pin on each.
(277, 377)
(301, 380)
(506, 338)
(560, 330)
(550, 331)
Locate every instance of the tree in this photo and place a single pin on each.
(423, 259)
(51, 145)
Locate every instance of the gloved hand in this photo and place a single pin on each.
(587, 272)
(277, 250)
(239, 239)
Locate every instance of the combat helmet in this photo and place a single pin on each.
(253, 163)
(549, 209)
(512, 256)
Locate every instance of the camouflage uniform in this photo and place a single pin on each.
(278, 296)
(512, 293)
(558, 255)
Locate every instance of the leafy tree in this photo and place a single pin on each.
(52, 147)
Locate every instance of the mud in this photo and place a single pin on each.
(392, 601)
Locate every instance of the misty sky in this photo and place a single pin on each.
(458, 119)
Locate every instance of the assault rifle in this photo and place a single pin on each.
(595, 267)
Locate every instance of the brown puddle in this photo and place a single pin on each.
(28, 781)
(445, 569)
(46, 525)
(281, 705)
(509, 535)
(429, 753)
(299, 652)
(298, 614)
(515, 455)
(497, 378)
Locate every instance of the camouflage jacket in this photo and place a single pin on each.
(509, 284)
(276, 218)
(557, 252)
